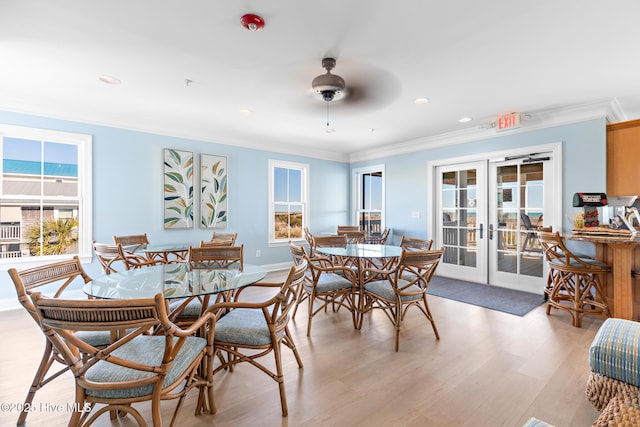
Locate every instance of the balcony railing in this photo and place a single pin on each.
(10, 232)
(12, 254)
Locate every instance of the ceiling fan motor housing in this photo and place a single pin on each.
(328, 85)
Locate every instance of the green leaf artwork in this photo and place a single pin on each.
(213, 177)
(178, 189)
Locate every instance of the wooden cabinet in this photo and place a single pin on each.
(623, 158)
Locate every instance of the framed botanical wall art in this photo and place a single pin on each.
(178, 188)
(213, 184)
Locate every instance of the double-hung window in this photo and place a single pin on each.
(45, 195)
(369, 199)
(288, 189)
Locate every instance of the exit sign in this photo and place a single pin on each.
(510, 121)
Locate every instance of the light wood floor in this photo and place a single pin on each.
(488, 369)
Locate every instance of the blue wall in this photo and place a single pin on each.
(407, 183)
(128, 190)
(127, 183)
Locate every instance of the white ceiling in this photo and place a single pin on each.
(470, 58)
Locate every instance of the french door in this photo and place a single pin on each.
(462, 201)
(486, 215)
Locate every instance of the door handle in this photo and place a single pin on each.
(490, 231)
(481, 230)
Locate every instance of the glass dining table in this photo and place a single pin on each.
(362, 256)
(174, 281)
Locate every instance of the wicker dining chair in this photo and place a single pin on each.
(55, 278)
(112, 256)
(416, 243)
(132, 239)
(135, 366)
(216, 256)
(247, 331)
(574, 283)
(396, 290)
(325, 283)
(224, 237)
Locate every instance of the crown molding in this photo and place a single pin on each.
(608, 109)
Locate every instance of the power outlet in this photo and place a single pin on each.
(258, 253)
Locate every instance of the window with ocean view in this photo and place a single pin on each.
(288, 191)
(42, 200)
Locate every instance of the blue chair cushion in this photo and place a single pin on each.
(577, 264)
(330, 282)
(243, 326)
(147, 350)
(383, 289)
(615, 351)
(95, 338)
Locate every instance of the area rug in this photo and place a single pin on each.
(506, 300)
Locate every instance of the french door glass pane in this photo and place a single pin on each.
(459, 217)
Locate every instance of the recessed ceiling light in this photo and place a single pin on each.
(109, 80)
(420, 101)
(246, 111)
(465, 119)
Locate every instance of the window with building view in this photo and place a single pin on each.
(43, 194)
(288, 190)
(369, 195)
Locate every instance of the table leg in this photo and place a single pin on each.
(360, 305)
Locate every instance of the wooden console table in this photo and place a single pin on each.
(622, 255)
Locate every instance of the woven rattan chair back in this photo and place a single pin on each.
(224, 237)
(416, 243)
(236, 329)
(54, 279)
(216, 256)
(354, 236)
(133, 239)
(110, 257)
(135, 366)
(331, 241)
(218, 242)
(308, 237)
(342, 228)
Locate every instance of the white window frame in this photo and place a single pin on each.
(85, 185)
(304, 168)
(356, 191)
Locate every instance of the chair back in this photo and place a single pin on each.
(342, 228)
(308, 237)
(337, 241)
(384, 236)
(110, 257)
(286, 299)
(411, 243)
(224, 238)
(216, 256)
(560, 257)
(421, 265)
(354, 236)
(133, 239)
(526, 221)
(55, 277)
(219, 242)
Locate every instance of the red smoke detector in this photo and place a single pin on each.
(252, 22)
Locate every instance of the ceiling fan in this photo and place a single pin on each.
(328, 85)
